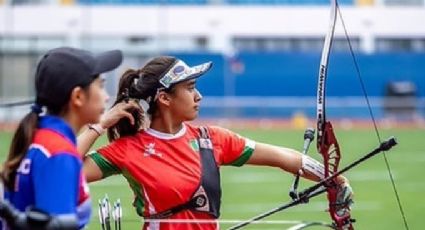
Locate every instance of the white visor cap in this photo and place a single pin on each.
(180, 71)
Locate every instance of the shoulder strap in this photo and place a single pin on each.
(204, 132)
(204, 139)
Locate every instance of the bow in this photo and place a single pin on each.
(327, 144)
(328, 147)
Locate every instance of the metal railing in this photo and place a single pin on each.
(274, 107)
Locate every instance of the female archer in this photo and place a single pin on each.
(171, 165)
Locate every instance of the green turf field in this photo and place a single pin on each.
(248, 191)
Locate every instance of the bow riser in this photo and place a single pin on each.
(331, 153)
(329, 149)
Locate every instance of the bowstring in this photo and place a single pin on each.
(359, 76)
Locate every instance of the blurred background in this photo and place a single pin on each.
(266, 56)
(266, 53)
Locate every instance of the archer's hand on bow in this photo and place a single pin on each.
(344, 199)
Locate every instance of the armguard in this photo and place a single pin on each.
(312, 166)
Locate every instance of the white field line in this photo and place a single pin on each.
(312, 206)
(221, 221)
(256, 178)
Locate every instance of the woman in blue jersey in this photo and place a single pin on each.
(43, 168)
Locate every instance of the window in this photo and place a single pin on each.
(291, 44)
(400, 44)
(404, 2)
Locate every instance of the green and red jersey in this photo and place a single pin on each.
(164, 170)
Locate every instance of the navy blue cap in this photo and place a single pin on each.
(62, 69)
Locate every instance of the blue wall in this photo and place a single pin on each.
(295, 74)
(212, 84)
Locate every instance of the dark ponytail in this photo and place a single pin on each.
(123, 126)
(140, 84)
(20, 143)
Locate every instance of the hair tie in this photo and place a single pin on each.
(144, 104)
(36, 108)
(137, 82)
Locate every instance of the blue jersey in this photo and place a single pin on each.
(50, 176)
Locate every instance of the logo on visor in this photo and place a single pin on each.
(178, 70)
(176, 74)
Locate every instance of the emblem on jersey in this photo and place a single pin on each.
(194, 145)
(150, 151)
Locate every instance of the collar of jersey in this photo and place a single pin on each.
(58, 125)
(167, 136)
